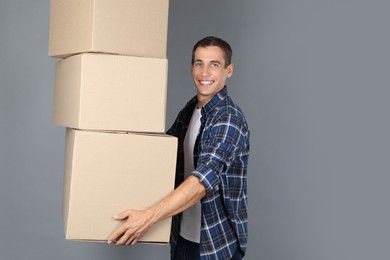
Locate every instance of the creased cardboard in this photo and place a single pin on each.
(126, 27)
(107, 173)
(111, 92)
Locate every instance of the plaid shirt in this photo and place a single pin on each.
(220, 156)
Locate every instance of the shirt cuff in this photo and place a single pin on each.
(207, 177)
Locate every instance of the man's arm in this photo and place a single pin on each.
(138, 222)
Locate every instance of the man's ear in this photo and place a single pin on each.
(230, 69)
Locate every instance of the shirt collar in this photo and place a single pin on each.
(214, 101)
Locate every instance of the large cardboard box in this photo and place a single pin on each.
(107, 173)
(111, 92)
(127, 27)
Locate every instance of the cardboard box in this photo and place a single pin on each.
(126, 27)
(107, 173)
(111, 92)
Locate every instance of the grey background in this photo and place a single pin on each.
(313, 80)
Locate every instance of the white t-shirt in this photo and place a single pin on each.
(191, 217)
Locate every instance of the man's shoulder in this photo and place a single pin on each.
(228, 107)
(189, 107)
(228, 113)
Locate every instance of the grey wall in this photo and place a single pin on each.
(313, 80)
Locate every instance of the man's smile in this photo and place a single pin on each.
(206, 82)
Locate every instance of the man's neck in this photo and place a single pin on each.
(202, 101)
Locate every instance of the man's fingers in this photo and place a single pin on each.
(131, 230)
(120, 231)
(123, 239)
(121, 216)
(131, 241)
(127, 239)
(117, 234)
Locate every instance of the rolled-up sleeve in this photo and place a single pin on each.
(219, 145)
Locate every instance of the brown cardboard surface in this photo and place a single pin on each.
(111, 92)
(107, 173)
(126, 27)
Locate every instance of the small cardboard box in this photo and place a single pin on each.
(107, 173)
(110, 92)
(126, 27)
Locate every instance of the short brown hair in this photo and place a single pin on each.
(214, 41)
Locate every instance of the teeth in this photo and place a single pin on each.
(206, 82)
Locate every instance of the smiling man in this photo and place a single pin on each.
(209, 72)
(209, 203)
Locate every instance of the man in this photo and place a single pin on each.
(209, 203)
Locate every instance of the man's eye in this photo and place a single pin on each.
(214, 65)
(198, 65)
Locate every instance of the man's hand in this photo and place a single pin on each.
(138, 222)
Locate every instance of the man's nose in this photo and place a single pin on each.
(206, 70)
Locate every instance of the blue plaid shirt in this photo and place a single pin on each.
(221, 157)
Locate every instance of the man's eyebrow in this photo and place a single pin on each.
(212, 61)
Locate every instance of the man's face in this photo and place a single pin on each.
(209, 72)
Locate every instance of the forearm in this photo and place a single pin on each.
(183, 197)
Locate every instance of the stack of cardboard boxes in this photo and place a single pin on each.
(110, 94)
